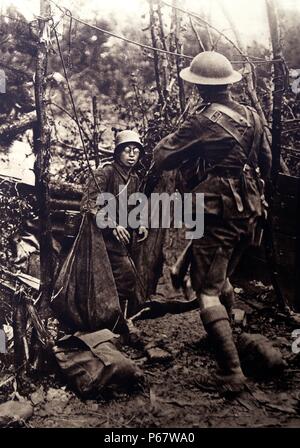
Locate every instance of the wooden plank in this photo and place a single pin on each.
(60, 204)
(288, 185)
(290, 287)
(285, 251)
(284, 203)
(66, 190)
(284, 215)
(283, 224)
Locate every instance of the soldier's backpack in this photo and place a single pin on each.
(93, 364)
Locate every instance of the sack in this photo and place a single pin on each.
(92, 363)
(259, 358)
(85, 296)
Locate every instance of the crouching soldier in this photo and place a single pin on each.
(120, 180)
(230, 139)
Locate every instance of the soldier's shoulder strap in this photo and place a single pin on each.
(105, 164)
(219, 113)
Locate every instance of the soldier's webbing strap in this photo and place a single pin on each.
(219, 113)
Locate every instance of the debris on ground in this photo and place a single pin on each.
(175, 353)
(156, 354)
(15, 412)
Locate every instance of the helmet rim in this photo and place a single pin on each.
(210, 68)
(126, 137)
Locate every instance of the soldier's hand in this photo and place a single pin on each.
(143, 231)
(122, 234)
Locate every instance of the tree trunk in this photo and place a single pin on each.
(21, 355)
(164, 57)
(95, 132)
(279, 85)
(178, 61)
(155, 54)
(42, 138)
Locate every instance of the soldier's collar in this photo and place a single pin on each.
(218, 98)
(123, 172)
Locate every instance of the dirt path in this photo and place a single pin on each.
(171, 398)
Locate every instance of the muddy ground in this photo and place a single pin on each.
(171, 397)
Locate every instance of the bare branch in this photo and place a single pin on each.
(201, 46)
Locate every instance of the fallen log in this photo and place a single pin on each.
(62, 204)
(65, 190)
(58, 189)
(10, 130)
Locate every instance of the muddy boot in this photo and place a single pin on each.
(230, 378)
(227, 297)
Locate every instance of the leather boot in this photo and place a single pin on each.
(230, 378)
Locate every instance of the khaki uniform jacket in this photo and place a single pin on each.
(200, 142)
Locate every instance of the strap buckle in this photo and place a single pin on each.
(246, 168)
(216, 116)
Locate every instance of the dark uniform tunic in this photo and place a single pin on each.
(214, 145)
(109, 178)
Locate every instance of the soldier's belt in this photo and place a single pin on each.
(230, 172)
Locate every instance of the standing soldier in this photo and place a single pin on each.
(118, 241)
(229, 140)
(96, 286)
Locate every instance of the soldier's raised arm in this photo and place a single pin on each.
(174, 149)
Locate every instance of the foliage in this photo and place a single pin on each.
(134, 89)
(15, 209)
(17, 48)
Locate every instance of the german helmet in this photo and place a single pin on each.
(210, 68)
(128, 137)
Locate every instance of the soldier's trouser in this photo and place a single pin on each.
(125, 279)
(217, 253)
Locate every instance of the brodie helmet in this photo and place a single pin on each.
(210, 68)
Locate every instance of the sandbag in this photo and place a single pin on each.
(85, 297)
(92, 363)
(259, 358)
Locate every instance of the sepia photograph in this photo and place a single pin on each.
(149, 217)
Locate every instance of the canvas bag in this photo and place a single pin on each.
(85, 297)
(92, 362)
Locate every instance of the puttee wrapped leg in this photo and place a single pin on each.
(230, 378)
